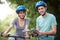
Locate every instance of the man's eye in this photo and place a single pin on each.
(38, 9)
(41, 8)
(23, 12)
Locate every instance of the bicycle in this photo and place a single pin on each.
(15, 36)
(32, 33)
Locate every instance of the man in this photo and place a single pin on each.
(21, 23)
(45, 23)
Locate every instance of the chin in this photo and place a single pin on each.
(22, 17)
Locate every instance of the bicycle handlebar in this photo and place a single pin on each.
(15, 36)
(31, 34)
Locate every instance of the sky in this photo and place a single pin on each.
(5, 10)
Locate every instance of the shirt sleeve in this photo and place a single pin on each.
(37, 23)
(53, 21)
(27, 21)
(14, 21)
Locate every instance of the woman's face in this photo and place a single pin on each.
(22, 14)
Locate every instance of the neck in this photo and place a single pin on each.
(21, 19)
(44, 14)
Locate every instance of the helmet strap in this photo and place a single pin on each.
(44, 14)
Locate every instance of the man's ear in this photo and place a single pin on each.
(46, 8)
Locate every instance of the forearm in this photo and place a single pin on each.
(26, 28)
(8, 29)
(27, 36)
(51, 32)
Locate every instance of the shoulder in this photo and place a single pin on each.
(39, 17)
(15, 19)
(51, 15)
(27, 19)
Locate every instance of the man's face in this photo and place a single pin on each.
(22, 14)
(42, 10)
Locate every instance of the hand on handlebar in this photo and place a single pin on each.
(27, 37)
(4, 34)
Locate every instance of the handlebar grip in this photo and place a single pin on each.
(2, 33)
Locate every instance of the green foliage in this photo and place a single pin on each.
(4, 24)
(31, 12)
(1, 29)
(53, 6)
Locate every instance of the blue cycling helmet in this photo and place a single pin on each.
(40, 3)
(20, 8)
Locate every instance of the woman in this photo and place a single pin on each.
(21, 23)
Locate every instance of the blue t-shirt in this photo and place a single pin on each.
(45, 24)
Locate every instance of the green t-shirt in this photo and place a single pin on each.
(45, 24)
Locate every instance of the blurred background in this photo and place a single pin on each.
(7, 13)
